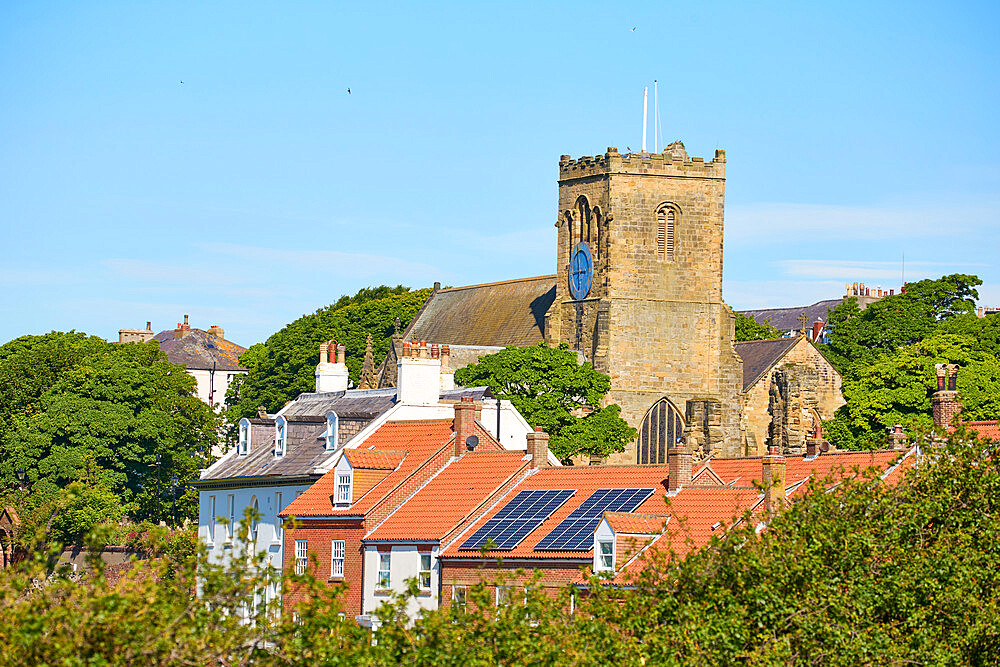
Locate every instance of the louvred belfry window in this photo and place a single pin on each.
(665, 234)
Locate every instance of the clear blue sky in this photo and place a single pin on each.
(259, 189)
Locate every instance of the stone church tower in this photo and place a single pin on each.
(639, 292)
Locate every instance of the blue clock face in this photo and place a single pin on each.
(581, 271)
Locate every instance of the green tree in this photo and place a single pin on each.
(747, 328)
(860, 336)
(547, 386)
(125, 407)
(82, 507)
(284, 366)
(897, 387)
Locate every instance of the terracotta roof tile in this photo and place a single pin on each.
(745, 471)
(985, 429)
(374, 459)
(420, 439)
(449, 497)
(633, 523)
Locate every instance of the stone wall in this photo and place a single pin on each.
(811, 387)
(656, 325)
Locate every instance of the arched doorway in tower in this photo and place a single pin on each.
(661, 428)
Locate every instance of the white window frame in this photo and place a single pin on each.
(338, 552)
(243, 445)
(211, 519)
(603, 564)
(384, 570)
(231, 527)
(255, 521)
(463, 605)
(332, 434)
(503, 595)
(280, 436)
(345, 484)
(425, 572)
(278, 529)
(301, 556)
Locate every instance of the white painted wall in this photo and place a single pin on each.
(220, 547)
(222, 381)
(405, 564)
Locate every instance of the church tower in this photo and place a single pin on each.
(639, 292)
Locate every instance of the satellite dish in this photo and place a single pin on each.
(471, 442)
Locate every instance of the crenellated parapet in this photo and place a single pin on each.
(673, 161)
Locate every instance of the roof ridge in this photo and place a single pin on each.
(498, 282)
(767, 340)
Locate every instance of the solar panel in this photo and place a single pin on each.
(518, 518)
(576, 531)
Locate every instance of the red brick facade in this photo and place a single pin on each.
(320, 533)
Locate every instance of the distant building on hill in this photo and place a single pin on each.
(212, 361)
(813, 318)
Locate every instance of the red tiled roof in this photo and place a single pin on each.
(374, 459)
(585, 480)
(632, 523)
(420, 439)
(985, 429)
(746, 471)
(449, 497)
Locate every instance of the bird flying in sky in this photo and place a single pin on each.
(348, 91)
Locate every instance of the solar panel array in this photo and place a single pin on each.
(577, 530)
(518, 518)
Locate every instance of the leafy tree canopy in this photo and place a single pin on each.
(860, 336)
(896, 389)
(69, 399)
(747, 328)
(547, 386)
(285, 365)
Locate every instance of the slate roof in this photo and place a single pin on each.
(450, 496)
(351, 404)
(199, 349)
(511, 312)
(760, 355)
(787, 319)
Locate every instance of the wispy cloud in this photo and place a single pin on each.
(843, 269)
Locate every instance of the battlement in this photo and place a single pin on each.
(673, 161)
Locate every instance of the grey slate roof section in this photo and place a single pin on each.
(760, 355)
(198, 350)
(787, 319)
(511, 312)
(305, 447)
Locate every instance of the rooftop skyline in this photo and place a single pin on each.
(162, 159)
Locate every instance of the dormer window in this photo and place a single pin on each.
(605, 555)
(280, 436)
(344, 487)
(332, 427)
(243, 445)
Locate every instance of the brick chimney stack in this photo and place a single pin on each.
(538, 447)
(773, 479)
(817, 330)
(945, 403)
(182, 329)
(679, 460)
(464, 424)
(897, 438)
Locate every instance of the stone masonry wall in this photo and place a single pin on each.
(666, 331)
(813, 385)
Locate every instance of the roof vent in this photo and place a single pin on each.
(471, 442)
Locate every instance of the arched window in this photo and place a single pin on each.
(583, 210)
(332, 427)
(600, 236)
(665, 217)
(661, 428)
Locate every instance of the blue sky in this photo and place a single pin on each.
(259, 189)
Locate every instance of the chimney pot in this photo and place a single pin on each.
(437, 286)
(149, 325)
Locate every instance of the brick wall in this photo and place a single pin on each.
(320, 533)
(471, 572)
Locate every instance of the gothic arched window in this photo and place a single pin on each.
(583, 210)
(600, 236)
(661, 428)
(665, 218)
